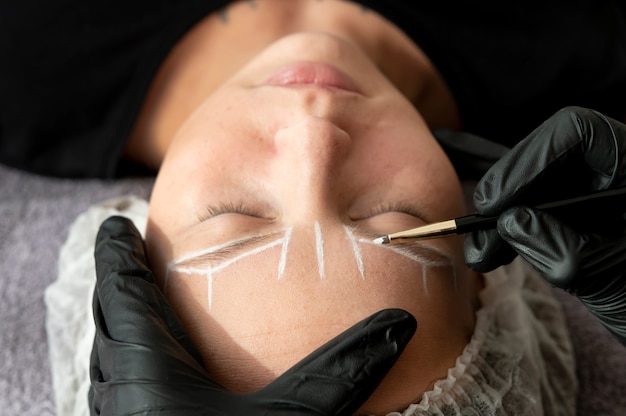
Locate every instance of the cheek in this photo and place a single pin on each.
(402, 153)
(442, 183)
(206, 155)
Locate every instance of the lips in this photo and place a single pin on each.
(312, 74)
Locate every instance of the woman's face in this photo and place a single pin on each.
(263, 213)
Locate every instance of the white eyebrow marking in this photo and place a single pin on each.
(209, 288)
(208, 272)
(424, 262)
(319, 244)
(413, 256)
(247, 254)
(195, 270)
(357, 251)
(283, 254)
(199, 253)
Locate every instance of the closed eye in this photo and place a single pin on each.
(223, 208)
(395, 206)
(229, 208)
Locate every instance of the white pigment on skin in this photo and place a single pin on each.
(424, 262)
(208, 272)
(357, 251)
(283, 254)
(199, 253)
(223, 265)
(209, 289)
(319, 245)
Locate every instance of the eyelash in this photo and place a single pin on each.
(239, 208)
(228, 208)
(387, 207)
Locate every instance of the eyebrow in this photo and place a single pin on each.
(223, 255)
(425, 254)
(225, 252)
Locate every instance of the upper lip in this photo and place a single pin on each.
(312, 74)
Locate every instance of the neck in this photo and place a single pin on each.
(237, 33)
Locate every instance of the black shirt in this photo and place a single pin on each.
(73, 74)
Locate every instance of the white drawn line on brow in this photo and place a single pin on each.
(202, 252)
(208, 272)
(223, 265)
(357, 251)
(407, 252)
(283, 253)
(209, 289)
(319, 244)
(246, 254)
(423, 261)
(237, 245)
(203, 272)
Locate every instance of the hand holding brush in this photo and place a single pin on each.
(577, 151)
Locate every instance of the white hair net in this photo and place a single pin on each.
(520, 359)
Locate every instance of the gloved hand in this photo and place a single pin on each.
(143, 361)
(576, 151)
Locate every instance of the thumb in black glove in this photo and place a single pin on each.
(143, 362)
(576, 151)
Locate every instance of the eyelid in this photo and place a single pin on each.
(394, 206)
(229, 207)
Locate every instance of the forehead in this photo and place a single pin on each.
(355, 250)
(291, 283)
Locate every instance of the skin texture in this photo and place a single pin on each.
(224, 42)
(330, 166)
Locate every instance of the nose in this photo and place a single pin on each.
(311, 156)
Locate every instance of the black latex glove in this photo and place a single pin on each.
(576, 151)
(143, 362)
